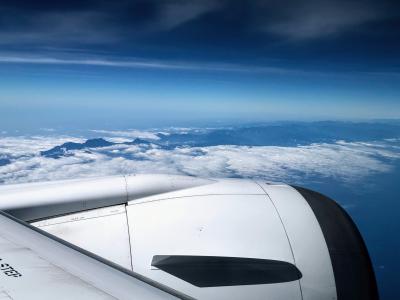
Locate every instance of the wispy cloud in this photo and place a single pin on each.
(314, 19)
(97, 23)
(191, 30)
(104, 22)
(91, 62)
(146, 64)
(47, 27)
(185, 66)
(175, 13)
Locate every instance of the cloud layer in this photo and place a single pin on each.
(341, 161)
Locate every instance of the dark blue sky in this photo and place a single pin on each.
(144, 63)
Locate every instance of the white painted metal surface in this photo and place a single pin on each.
(38, 200)
(307, 241)
(103, 231)
(52, 270)
(111, 189)
(144, 185)
(212, 225)
(34, 284)
(212, 187)
(165, 215)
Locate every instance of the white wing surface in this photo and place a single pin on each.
(36, 265)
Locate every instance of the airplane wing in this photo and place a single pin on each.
(36, 265)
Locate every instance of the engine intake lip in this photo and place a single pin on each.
(352, 267)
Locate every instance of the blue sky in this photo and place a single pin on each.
(148, 63)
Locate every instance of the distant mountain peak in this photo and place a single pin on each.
(138, 141)
(59, 151)
(97, 142)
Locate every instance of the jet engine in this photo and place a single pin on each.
(206, 238)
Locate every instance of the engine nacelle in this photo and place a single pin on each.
(221, 238)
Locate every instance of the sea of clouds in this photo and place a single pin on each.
(339, 160)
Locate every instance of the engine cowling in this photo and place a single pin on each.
(225, 239)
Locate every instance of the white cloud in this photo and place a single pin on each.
(174, 14)
(132, 133)
(346, 162)
(150, 64)
(26, 146)
(321, 18)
